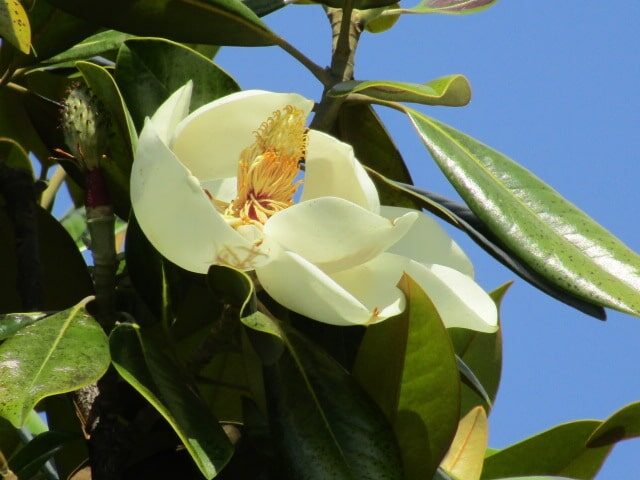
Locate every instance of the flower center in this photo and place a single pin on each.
(267, 168)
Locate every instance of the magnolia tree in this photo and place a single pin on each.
(248, 284)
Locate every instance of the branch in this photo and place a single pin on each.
(319, 72)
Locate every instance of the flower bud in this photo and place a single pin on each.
(85, 128)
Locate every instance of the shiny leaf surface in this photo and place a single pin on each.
(163, 384)
(10, 323)
(57, 354)
(544, 230)
(451, 7)
(97, 44)
(452, 91)
(27, 462)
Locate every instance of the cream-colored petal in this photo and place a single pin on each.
(172, 111)
(427, 242)
(176, 215)
(335, 234)
(460, 301)
(374, 284)
(209, 141)
(302, 287)
(332, 170)
(223, 189)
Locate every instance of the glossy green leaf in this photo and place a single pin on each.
(57, 354)
(543, 229)
(451, 7)
(14, 156)
(16, 125)
(14, 25)
(622, 425)
(359, 126)
(159, 380)
(469, 378)
(65, 277)
(452, 91)
(33, 456)
(408, 366)
(149, 70)
(265, 7)
(560, 451)
(460, 216)
(482, 353)
(323, 423)
(117, 166)
(218, 22)
(10, 323)
(98, 44)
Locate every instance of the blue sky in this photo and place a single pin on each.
(555, 86)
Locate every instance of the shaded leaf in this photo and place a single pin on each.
(452, 7)
(163, 384)
(149, 70)
(452, 91)
(407, 365)
(469, 378)
(544, 230)
(622, 425)
(65, 277)
(122, 138)
(14, 25)
(218, 22)
(57, 354)
(16, 125)
(323, 423)
(560, 451)
(264, 7)
(466, 455)
(33, 456)
(482, 353)
(107, 41)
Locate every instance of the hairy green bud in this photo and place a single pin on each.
(85, 128)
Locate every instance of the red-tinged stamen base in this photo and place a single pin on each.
(267, 169)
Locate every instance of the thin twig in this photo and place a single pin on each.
(320, 73)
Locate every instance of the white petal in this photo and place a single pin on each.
(209, 141)
(427, 242)
(303, 288)
(374, 284)
(172, 111)
(224, 189)
(176, 215)
(335, 234)
(460, 301)
(332, 170)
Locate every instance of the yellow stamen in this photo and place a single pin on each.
(267, 168)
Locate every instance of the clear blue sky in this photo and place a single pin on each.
(556, 87)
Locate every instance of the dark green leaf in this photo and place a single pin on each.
(543, 229)
(149, 70)
(482, 353)
(9, 440)
(453, 7)
(360, 127)
(622, 425)
(218, 22)
(452, 91)
(16, 125)
(264, 7)
(11, 323)
(323, 423)
(158, 378)
(98, 44)
(468, 378)
(58, 354)
(27, 462)
(65, 277)
(560, 451)
(117, 166)
(233, 287)
(408, 366)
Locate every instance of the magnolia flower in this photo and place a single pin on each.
(218, 186)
